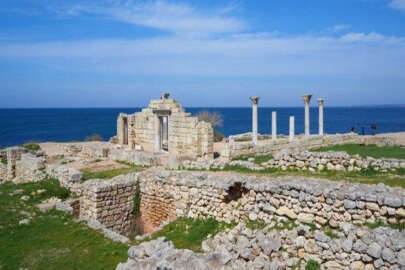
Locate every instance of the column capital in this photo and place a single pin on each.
(165, 96)
(321, 101)
(254, 99)
(306, 98)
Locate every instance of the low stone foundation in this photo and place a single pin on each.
(234, 148)
(171, 194)
(68, 177)
(340, 161)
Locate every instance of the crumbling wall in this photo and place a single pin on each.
(68, 177)
(29, 168)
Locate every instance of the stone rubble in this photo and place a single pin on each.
(269, 248)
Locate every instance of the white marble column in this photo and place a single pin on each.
(274, 125)
(306, 98)
(320, 127)
(292, 129)
(255, 101)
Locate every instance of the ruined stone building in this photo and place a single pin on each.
(165, 127)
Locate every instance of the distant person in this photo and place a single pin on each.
(373, 128)
(352, 129)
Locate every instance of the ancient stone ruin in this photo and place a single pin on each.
(164, 127)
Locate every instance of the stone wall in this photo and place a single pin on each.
(109, 202)
(135, 157)
(29, 168)
(235, 148)
(235, 198)
(3, 172)
(187, 137)
(68, 177)
(340, 161)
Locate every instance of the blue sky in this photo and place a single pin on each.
(116, 53)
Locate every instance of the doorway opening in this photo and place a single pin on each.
(164, 133)
(125, 130)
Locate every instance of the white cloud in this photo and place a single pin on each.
(177, 18)
(354, 54)
(339, 27)
(370, 37)
(398, 4)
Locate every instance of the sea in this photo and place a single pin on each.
(19, 126)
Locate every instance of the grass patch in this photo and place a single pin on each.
(32, 146)
(255, 224)
(107, 174)
(312, 265)
(330, 233)
(258, 159)
(187, 233)
(4, 161)
(283, 224)
(51, 240)
(367, 150)
(381, 223)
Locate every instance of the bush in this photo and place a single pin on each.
(94, 138)
(214, 118)
(32, 146)
(312, 265)
(218, 136)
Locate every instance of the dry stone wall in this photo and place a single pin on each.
(236, 198)
(68, 177)
(235, 148)
(340, 161)
(29, 168)
(109, 202)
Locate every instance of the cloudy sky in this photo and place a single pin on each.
(122, 53)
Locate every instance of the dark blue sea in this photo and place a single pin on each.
(18, 126)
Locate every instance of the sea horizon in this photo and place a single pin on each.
(21, 125)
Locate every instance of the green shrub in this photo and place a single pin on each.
(94, 138)
(218, 136)
(32, 146)
(312, 265)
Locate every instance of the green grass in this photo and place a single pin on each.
(367, 150)
(258, 159)
(32, 146)
(312, 265)
(381, 223)
(331, 234)
(187, 233)
(51, 240)
(255, 225)
(107, 174)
